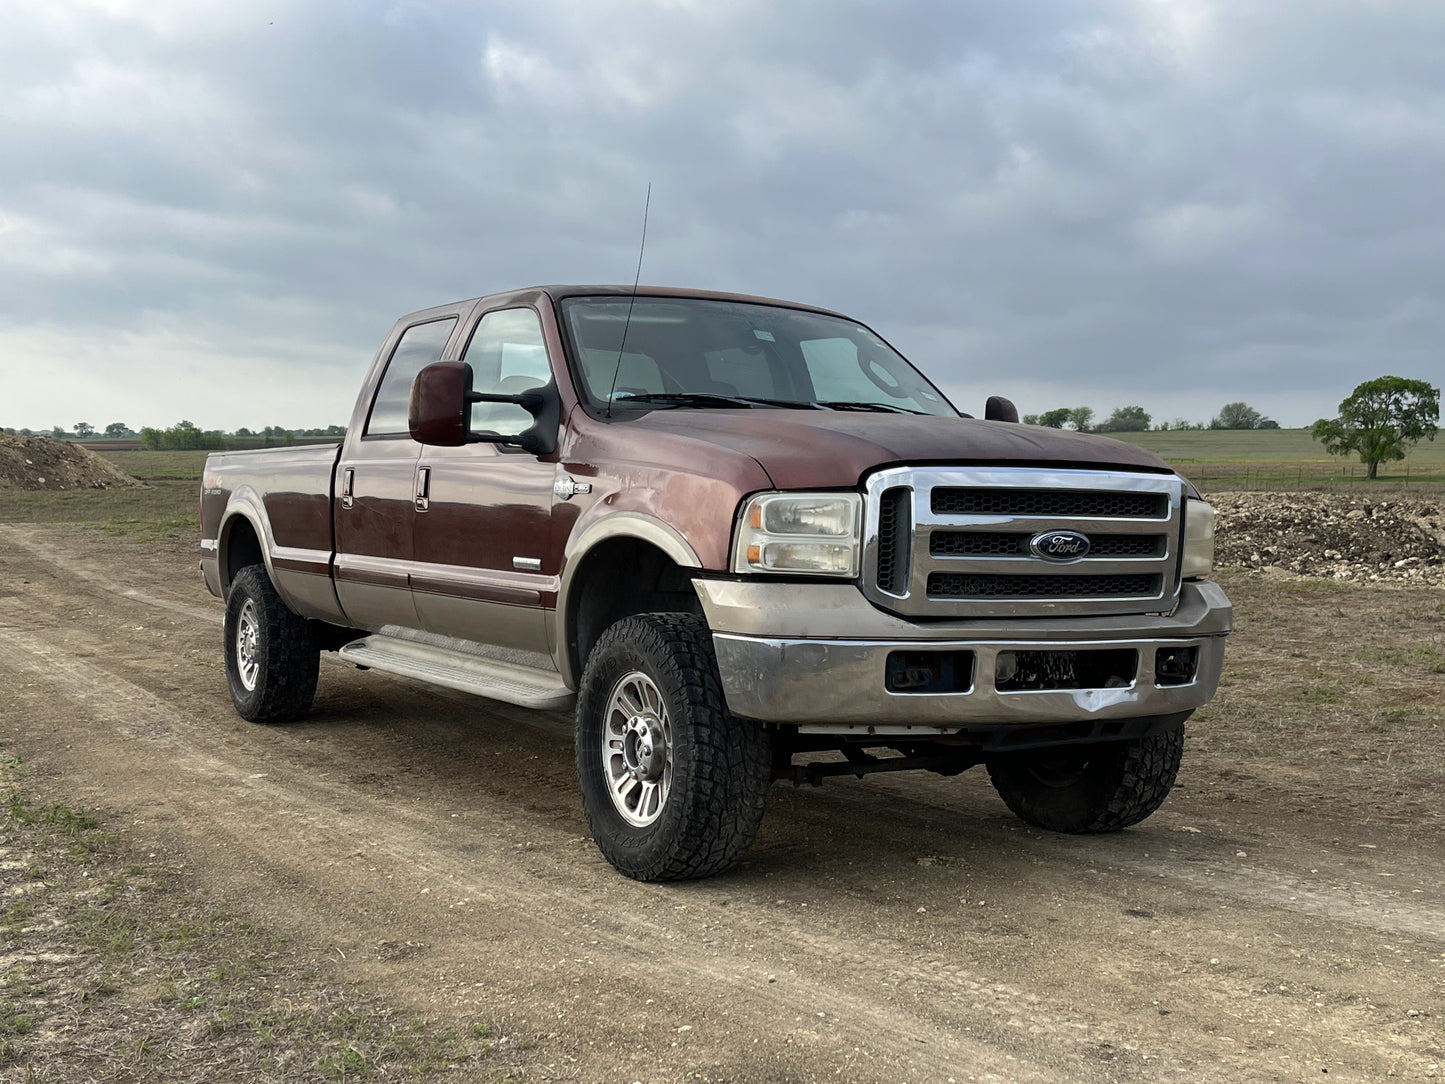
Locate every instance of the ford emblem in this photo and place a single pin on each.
(1059, 545)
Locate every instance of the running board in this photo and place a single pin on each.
(467, 672)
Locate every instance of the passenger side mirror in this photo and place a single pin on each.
(439, 412)
(999, 409)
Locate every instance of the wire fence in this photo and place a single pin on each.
(1266, 477)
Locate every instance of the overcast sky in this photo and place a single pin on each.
(215, 210)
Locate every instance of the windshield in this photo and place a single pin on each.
(682, 352)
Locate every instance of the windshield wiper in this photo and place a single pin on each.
(882, 408)
(700, 399)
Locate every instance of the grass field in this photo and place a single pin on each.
(1264, 459)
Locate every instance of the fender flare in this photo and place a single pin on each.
(619, 525)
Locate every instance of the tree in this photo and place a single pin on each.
(183, 436)
(1125, 419)
(1380, 420)
(1081, 418)
(57, 432)
(117, 429)
(84, 430)
(1055, 419)
(1241, 416)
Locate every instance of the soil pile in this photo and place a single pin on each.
(1342, 537)
(46, 463)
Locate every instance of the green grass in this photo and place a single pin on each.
(165, 466)
(1264, 459)
(164, 509)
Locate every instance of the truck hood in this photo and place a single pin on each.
(804, 449)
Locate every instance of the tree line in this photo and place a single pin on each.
(183, 436)
(1135, 419)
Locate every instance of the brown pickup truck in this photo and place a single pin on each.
(749, 542)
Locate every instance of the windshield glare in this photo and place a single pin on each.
(692, 347)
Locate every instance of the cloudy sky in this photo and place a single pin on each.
(215, 210)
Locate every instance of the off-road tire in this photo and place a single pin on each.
(1089, 788)
(272, 659)
(721, 765)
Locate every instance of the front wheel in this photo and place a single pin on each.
(1089, 788)
(272, 660)
(672, 783)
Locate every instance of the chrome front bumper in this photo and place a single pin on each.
(822, 664)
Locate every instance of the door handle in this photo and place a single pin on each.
(348, 481)
(423, 488)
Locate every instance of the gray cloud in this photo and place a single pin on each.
(214, 211)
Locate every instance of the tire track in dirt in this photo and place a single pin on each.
(927, 1046)
(868, 983)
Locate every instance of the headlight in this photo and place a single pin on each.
(813, 534)
(1198, 539)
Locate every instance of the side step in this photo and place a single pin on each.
(509, 682)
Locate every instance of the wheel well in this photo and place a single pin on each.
(620, 578)
(241, 548)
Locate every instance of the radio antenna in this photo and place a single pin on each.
(622, 346)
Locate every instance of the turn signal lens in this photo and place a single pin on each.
(1198, 539)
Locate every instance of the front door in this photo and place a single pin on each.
(483, 524)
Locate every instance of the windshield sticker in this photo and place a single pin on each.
(766, 336)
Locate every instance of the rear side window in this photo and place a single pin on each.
(420, 345)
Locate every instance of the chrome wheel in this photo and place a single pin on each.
(637, 749)
(248, 661)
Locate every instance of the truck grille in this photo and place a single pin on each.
(956, 542)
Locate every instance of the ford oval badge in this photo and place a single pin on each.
(1059, 545)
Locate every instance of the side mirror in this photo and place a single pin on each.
(999, 409)
(440, 411)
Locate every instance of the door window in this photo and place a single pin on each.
(508, 356)
(420, 345)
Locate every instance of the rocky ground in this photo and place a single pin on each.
(46, 463)
(1362, 538)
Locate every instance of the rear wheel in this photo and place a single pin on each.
(672, 783)
(272, 660)
(1089, 788)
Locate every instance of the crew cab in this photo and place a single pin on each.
(745, 541)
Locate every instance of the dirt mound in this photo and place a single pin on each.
(46, 463)
(1342, 537)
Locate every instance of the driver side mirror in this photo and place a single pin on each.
(440, 411)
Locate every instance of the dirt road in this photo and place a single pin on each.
(895, 929)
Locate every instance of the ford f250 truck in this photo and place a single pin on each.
(748, 541)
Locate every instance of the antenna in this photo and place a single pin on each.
(622, 346)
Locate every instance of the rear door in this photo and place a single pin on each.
(376, 499)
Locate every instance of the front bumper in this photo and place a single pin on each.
(816, 656)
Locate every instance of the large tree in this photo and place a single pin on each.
(1380, 420)
(1125, 419)
(1240, 416)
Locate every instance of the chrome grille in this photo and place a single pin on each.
(895, 530)
(951, 501)
(998, 544)
(955, 542)
(964, 585)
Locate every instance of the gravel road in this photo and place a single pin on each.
(895, 929)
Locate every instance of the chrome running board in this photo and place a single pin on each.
(466, 671)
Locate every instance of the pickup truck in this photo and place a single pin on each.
(747, 541)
